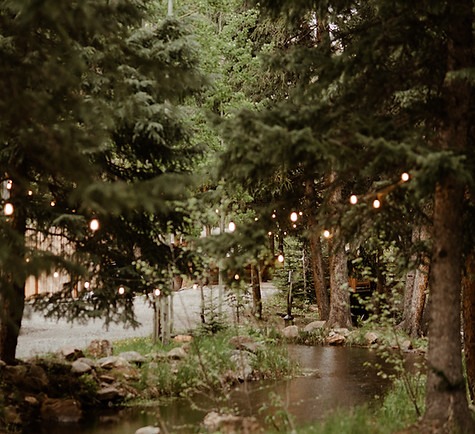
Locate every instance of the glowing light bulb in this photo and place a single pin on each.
(56, 274)
(94, 225)
(273, 216)
(405, 177)
(280, 258)
(376, 204)
(294, 216)
(53, 203)
(157, 292)
(86, 285)
(236, 276)
(353, 199)
(326, 233)
(9, 184)
(30, 193)
(269, 233)
(232, 226)
(8, 209)
(121, 290)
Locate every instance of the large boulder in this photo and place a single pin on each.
(290, 332)
(113, 362)
(80, 367)
(314, 325)
(177, 353)
(335, 339)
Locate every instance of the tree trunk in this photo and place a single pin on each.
(12, 290)
(446, 402)
(468, 285)
(446, 399)
(313, 235)
(416, 292)
(256, 292)
(340, 314)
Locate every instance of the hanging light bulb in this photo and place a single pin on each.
(326, 233)
(157, 292)
(405, 177)
(236, 276)
(353, 199)
(280, 258)
(294, 216)
(231, 227)
(121, 290)
(8, 209)
(376, 203)
(94, 225)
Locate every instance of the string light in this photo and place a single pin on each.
(9, 184)
(8, 209)
(353, 199)
(280, 258)
(157, 292)
(269, 233)
(232, 226)
(94, 225)
(294, 216)
(376, 203)
(273, 215)
(405, 177)
(236, 276)
(56, 274)
(30, 193)
(326, 233)
(121, 290)
(86, 285)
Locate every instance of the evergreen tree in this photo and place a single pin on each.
(385, 89)
(92, 127)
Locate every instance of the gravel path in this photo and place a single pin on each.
(40, 335)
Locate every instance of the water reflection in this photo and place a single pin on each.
(332, 378)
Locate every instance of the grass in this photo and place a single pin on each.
(208, 365)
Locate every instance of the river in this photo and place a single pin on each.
(332, 378)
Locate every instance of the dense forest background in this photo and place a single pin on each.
(336, 134)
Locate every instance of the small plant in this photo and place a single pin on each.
(278, 417)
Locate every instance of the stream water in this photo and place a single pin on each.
(332, 378)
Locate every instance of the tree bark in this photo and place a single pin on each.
(256, 292)
(313, 235)
(415, 294)
(340, 314)
(468, 285)
(446, 401)
(12, 290)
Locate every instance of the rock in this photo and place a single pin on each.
(177, 353)
(342, 331)
(244, 343)
(31, 400)
(11, 415)
(183, 338)
(148, 430)
(109, 379)
(37, 379)
(133, 357)
(314, 325)
(109, 393)
(113, 362)
(230, 424)
(406, 345)
(61, 410)
(371, 338)
(335, 339)
(243, 365)
(99, 348)
(2, 364)
(71, 353)
(290, 332)
(80, 367)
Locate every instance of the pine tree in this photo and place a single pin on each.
(386, 90)
(92, 126)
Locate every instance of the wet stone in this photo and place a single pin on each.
(61, 410)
